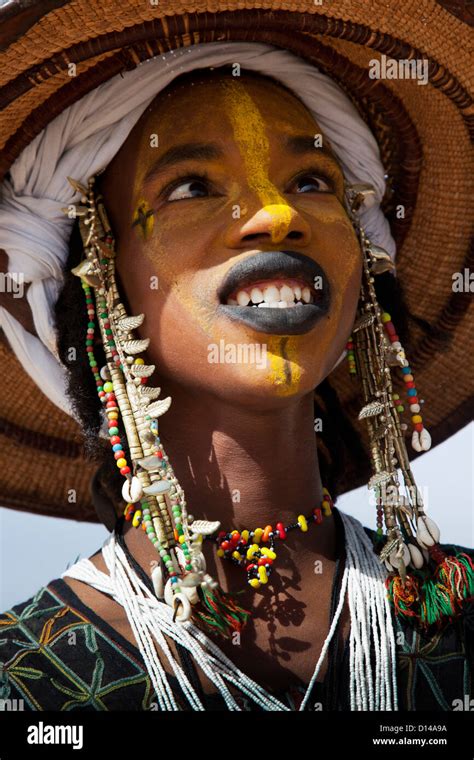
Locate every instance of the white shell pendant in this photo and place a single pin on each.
(425, 440)
(415, 441)
(417, 559)
(157, 580)
(132, 491)
(159, 486)
(191, 592)
(184, 612)
(427, 532)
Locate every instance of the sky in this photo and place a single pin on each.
(35, 549)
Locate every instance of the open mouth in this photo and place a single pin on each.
(281, 292)
(276, 293)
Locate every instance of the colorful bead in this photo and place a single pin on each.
(302, 523)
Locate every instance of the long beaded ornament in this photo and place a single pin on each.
(133, 408)
(424, 583)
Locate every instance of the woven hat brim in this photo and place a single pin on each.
(430, 177)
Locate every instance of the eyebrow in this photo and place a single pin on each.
(194, 151)
(179, 153)
(300, 144)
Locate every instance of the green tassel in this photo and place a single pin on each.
(220, 612)
(431, 598)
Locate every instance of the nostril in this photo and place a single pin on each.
(295, 235)
(255, 235)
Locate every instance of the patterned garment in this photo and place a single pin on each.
(57, 654)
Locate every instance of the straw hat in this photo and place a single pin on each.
(424, 137)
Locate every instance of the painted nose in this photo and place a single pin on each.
(271, 223)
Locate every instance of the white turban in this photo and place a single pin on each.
(86, 136)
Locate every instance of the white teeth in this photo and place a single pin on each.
(287, 293)
(271, 294)
(243, 298)
(264, 305)
(282, 297)
(256, 295)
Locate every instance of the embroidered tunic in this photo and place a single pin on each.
(57, 654)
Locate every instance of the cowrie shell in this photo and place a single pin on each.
(425, 440)
(132, 491)
(416, 556)
(157, 580)
(427, 532)
(415, 441)
(184, 608)
(191, 593)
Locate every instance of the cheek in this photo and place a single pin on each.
(177, 254)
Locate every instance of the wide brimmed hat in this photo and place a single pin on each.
(423, 131)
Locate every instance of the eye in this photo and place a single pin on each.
(310, 183)
(190, 188)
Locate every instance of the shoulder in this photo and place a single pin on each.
(54, 657)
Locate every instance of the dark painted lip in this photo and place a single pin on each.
(272, 264)
(296, 320)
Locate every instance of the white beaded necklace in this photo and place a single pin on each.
(152, 620)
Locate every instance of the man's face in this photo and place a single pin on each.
(222, 200)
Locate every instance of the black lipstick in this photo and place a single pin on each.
(273, 265)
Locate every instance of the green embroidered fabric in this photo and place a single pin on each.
(57, 654)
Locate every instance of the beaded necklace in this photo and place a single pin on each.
(245, 548)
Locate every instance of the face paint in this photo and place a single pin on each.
(250, 135)
(143, 219)
(285, 371)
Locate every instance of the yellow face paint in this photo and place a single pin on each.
(285, 371)
(250, 135)
(143, 219)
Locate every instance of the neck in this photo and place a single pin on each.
(246, 470)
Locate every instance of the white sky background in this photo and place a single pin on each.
(34, 549)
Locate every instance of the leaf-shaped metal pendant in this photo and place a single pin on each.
(204, 527)
(370, 410)
(379, 479)
(363, 322)
(142, 370)
(157, 408)
(135, 346)
(130, 323)
(148, 394)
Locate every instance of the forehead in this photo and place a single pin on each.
(213, 104)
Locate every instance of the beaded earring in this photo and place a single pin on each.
(132, 409)
(423, 583)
